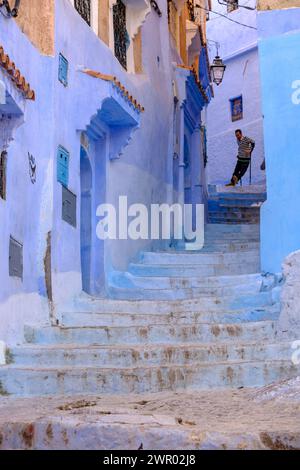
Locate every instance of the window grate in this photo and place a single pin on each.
(120, 32)
(84, 9)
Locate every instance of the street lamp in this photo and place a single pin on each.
(217, 70)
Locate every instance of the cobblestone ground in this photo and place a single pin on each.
(268, 418)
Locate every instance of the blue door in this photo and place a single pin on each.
(86, 219)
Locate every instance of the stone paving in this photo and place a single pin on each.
(265, 418)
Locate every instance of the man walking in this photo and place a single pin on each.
(245, 149)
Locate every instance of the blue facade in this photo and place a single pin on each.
(91, 144)
(280, 71)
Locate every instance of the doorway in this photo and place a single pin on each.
(86, 180)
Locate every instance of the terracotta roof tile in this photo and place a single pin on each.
(15, 75)
(111, 78)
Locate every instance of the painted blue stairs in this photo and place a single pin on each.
(235, 206)
(174, 321)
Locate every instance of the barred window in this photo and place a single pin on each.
(120, 33)
(84, 9)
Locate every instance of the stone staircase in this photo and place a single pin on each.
(176, 320)
(235, 207)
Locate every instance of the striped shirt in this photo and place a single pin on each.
(243, 145)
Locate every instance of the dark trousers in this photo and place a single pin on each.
(240, 169)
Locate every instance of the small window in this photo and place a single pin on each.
(63, 70)
(236, 108)
(232, 5)
(63, 158)
(15, 258)
(3, 162)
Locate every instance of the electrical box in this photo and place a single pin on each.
(15, 258)
(69, 207)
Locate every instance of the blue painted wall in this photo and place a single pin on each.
(144, 171)
(279, 33)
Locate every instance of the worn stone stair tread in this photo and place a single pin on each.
(209, 303)
(274, 308)
(148, 346)
(146, 367)
(187, 325)
(204, 332)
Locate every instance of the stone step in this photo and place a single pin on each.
(122, 291)
(237, 215)
(230, 222)
(250, 280)
(240, 204)
(187, 283)
(191, 277)
(72, 380)
(87, 319)
(196, 270)
(85, 303)
(223, 228)
(227, 237)
(198, 258)
(141, 293)
(233, 207)
(144, 334)
(145, 355)
(230, 246)
(239, 192)
(219, 245)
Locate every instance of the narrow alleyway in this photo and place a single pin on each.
(177, 320)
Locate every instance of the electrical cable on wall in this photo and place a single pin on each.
(227, 18)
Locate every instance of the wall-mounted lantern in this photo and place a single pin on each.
(7, 10)
(217, 70)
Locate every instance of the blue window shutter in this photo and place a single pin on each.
(236, 107)
(63, 158)
(63, 69)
